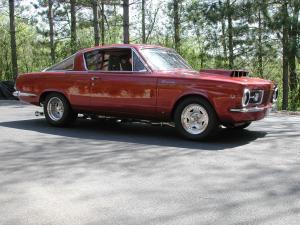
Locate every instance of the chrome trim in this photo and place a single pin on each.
(194, 119)
(55, 109)
(246, 92)
(23, 94)
(95, 78)
(276, 93)
(252, 109)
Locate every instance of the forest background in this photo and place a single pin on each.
(262, 36)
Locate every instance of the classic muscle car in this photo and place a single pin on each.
(146, 82)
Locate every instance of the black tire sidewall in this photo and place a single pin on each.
(68, 115)
(212, 123)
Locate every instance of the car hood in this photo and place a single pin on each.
(239, 80)
(192, 74)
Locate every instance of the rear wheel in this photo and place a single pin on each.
(58, 111)
(195, 119)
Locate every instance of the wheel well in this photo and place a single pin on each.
(190, 96)
(44, 95)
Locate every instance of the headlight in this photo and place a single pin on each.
(275, 95)
(256, 96)
(246, 97)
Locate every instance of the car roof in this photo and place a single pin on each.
(135, 46)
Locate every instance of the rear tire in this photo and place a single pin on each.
(58, 111)
(195, 119)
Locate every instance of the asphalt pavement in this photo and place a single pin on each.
(103, 173)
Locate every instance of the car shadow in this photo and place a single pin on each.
(138, 133)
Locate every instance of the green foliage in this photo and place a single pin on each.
(204, 35)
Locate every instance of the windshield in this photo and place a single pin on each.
(164, 59)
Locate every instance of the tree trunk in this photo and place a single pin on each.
(51, 29)
(95, 22)
(176, 25)
(102, 23)
(73, 26)
(126, 21)
(230, 34)
(293, 47)
(13, 44)
(260, 52)
(152, 25)
(224, 41)
(143, 22)
(285, 59)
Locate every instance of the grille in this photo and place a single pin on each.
(266, 97)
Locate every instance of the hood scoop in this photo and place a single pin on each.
(227, 73)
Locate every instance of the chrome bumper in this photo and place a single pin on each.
(23, 94)
(252, 109)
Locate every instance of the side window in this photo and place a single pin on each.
(109, 60)
(119, 59)
(94, 60)
(115, 59)
(137, 64)
(66, 64)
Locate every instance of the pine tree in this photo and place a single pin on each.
(13, 44)
(126, 21)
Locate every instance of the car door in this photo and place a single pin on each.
(122, 89)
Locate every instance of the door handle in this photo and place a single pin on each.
(95, 78)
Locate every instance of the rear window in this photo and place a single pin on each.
(66, 64)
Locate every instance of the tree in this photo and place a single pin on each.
(126, 21)
(286, 24)
(293, 36)
(102, 23)
(13, 44)
(95, 22)
(143, 22)
(73, 26)
(229, 12)
(49, 13)
(285, 62)
(51, 29)
(176, 24)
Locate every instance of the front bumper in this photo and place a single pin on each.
(23, 94)
(245, 114)
(268, 108)
(252, 109)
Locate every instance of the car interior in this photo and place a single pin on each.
(113, 60)
(109, 60)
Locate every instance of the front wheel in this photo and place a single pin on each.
(195, 119)
(58, 111)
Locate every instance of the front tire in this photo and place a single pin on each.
(58, 111)
(195, 119)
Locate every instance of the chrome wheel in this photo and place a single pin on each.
(55, 108)
(194, 119)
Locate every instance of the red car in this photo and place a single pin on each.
(149, 83)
